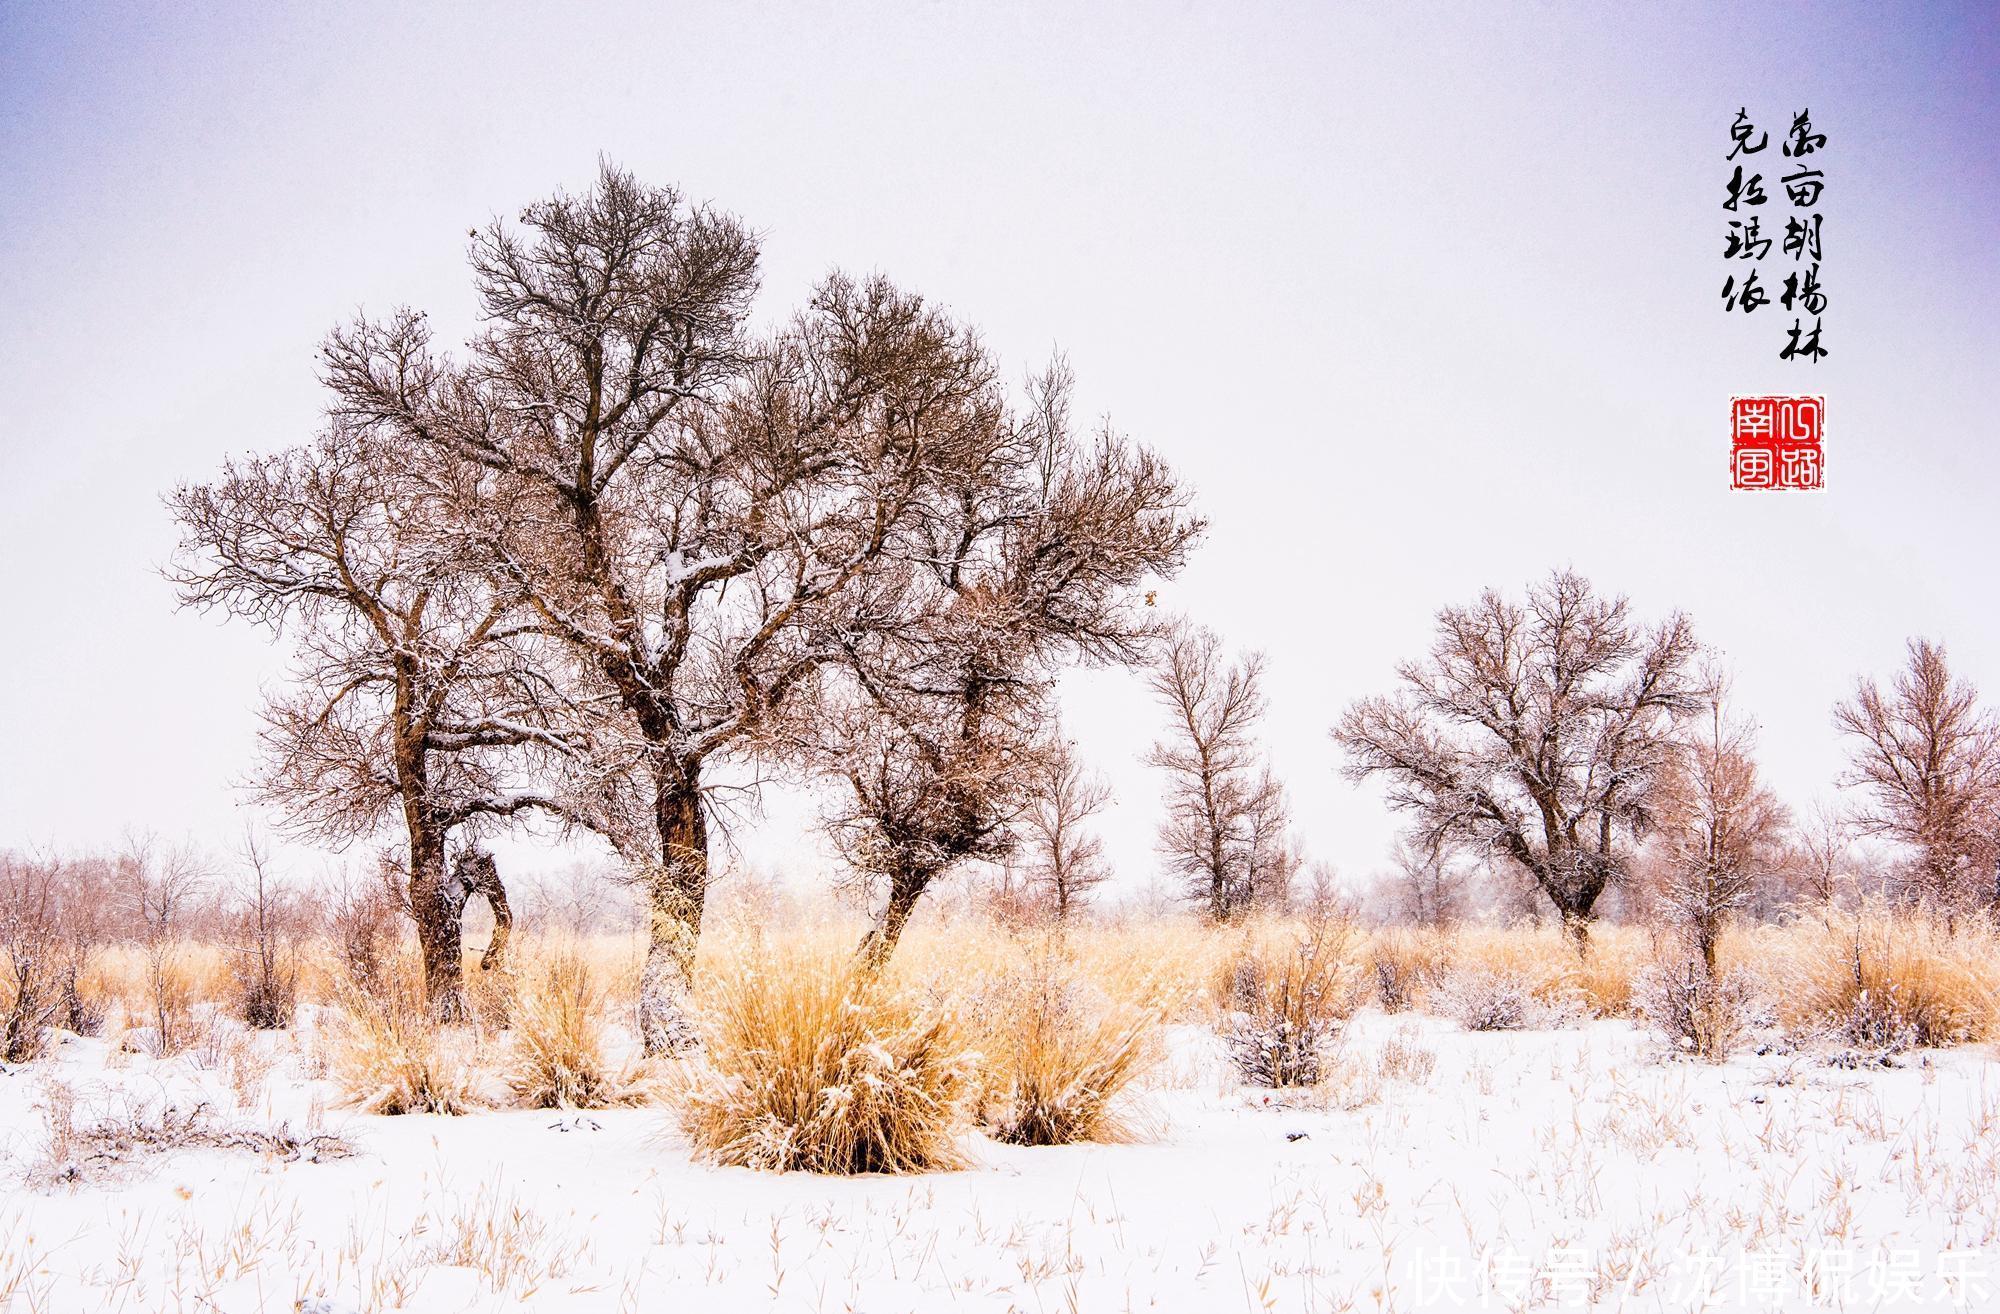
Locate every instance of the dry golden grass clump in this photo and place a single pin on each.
(810, 1062)
(558, 1058)
(1285, 995)
(1061, 1053)
(387, 1056)
(1537, 967)
(1881, 979)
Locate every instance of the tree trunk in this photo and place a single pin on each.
(1572, 891)
(437, 902)
(1577, 924)
(675, 892)
(880, 942)
(1706, 932)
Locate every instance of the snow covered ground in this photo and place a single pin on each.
(1444, 1170)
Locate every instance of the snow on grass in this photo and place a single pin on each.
(1436, 1169)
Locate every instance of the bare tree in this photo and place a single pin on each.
(1822, 861)
(1067, 860)
(165, 888)
(268, 925)
(924, 794)
(1224, 809)
(1719, 833)
(1928, 758)
(1029, 557)
(1426, 886)
(412, 693)
(691, 500)
(1273, 857)
(1538, 730)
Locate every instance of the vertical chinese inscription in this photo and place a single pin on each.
(1752, 232)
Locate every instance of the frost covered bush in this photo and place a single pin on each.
(1406, 966)
(1706, 1016)
(808, 1061)
(1286, 999)
(1500, 997)
(1060, 1054)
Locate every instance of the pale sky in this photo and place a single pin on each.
(1420, 298)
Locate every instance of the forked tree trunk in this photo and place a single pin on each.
(675, 893)
(437, 903)
(476, 873)
(1573, 892)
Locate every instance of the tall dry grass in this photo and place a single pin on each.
(1879, 978)
(1285, 993)
(810, 1062)
(388, 1056)
(559, 1057)
(1059, 1053)
(814, 1066)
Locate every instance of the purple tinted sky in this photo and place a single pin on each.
(1421, 298)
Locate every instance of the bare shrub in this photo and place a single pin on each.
(363, 920)
(166, 888)
(1404, 1058)
(1287, 998)
(1701, 1012)
(1407, 963)
(29, 996)
(558, 1061)
(108, 1146)
(810, 1061)
(1498, 997)
(265, 966)
(1062, 1054)
(51, 916)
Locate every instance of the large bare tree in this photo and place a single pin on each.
(411, 695)
(1028, 557)
(691, 501)
(1537, 729)
(1226, 830)
(1927, 757)
(1720, 833)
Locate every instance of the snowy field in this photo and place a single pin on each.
(1441, 1170)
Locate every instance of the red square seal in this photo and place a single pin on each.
(1774, 442)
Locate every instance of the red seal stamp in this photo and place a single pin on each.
(1774, 442)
